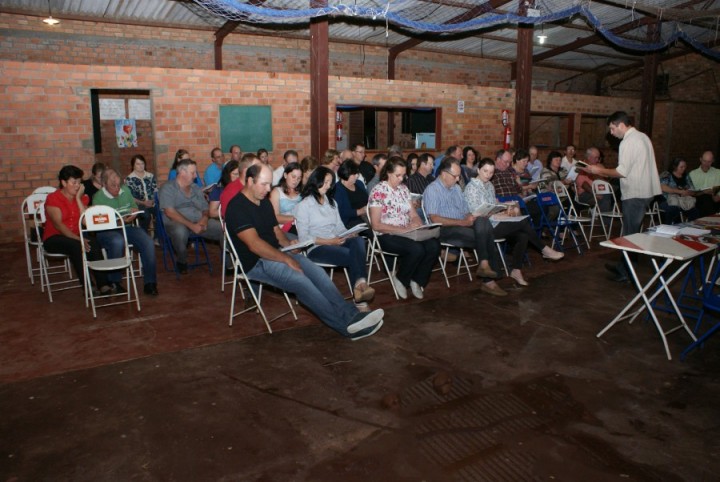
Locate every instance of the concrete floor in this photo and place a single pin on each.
(460, 386)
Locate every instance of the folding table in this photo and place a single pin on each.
(680, 248)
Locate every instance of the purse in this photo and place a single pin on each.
(683, 202)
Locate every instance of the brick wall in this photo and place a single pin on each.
(81, 42)
(46, 121)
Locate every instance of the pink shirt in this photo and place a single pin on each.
(232, 190)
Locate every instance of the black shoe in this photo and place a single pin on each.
(118, 289)
(182, 268)
(151, 289)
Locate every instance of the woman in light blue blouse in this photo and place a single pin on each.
(518, 233)
(143, 187)
(318, 220)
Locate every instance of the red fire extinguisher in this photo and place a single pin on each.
(506, 137)
(338, 126)
(507, 133)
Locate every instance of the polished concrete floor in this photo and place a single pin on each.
(459, 386)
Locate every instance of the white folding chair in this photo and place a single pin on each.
(571, 213)
(225, 254)
(45, 258)
(241, 277)
(604, 188)
(27, 212)
(654, 215)
(44, 190)
(103, 218)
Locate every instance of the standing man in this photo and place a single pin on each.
(185, 210)
(257, 238)
(289, 156)
(214, 170)
(639, 180)
(367, 171)
(706, 179)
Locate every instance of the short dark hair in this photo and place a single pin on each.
(520, 154)
(552, 155)
(500, 152)
(253, 171)
(465, 151)
(675, 163)
(449, 151)
(136, 157)
(376, 158)
(447, 162)
(290, 152)
(347, 169)
(425, 157)
(69, 172)
(212, 153)
(619, 117)
(390, 166)
(262, 151)
(98, 167)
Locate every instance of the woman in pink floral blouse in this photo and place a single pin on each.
(391, 215)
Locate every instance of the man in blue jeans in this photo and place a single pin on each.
(120, 199)
(639, 179)
(250, 220)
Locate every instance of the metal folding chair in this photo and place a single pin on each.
(605, 188)
(103, 218)
(560, 226)
(45, 258)
(241, 277)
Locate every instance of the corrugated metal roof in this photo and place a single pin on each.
(496, 41)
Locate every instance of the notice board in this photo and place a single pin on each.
(249, 126)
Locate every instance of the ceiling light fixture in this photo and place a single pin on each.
(50, 20)
(541, 36)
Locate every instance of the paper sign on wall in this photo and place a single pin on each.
(139, 109)
(125, 133)
(111, 109)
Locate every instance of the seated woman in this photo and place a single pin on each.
(391, 214)
(469, 163)
(286, 196)
(552, 172)
(678, 193)
(308, 165)
(318, 220)
(94, 183)
(520, 161)
(62, 235)
(411, 162)
(350, 194)
(518, 233)
(230, 173)
(180, 155)
(143, 187)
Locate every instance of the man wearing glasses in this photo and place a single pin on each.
(367, 171)
(446, 205)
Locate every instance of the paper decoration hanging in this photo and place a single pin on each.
(125, 133)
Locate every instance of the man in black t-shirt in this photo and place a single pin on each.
(257, 238)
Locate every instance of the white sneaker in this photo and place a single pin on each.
(370, 319)
(400, 288)
(417, 290)
(372, 332)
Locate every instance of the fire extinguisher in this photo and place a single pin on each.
(338, 126)
(508, 131)
(506, 137)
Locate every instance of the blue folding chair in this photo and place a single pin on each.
(167, 247)
(560, 226)
(710, 302)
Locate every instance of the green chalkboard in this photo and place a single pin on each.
(249, 126)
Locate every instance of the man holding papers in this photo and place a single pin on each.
(254, 230)
(120, 199)
(317, 219)
(639, 179)
(445, 204)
